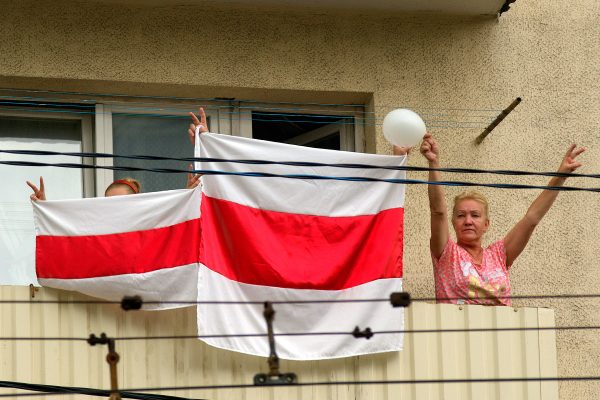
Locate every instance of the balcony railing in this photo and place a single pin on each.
(479, 348)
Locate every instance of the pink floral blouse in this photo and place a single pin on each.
(458, 277)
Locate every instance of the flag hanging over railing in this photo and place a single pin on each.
(143, 244)
(246, 239)
(282, 239)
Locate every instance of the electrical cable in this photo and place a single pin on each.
(304, 176)
(430, 123)
(261, 302)
(290, 117)
(299, 334)
(57, 101)
(53, 389)
(223, 100)
(301, 164)
(342, 383)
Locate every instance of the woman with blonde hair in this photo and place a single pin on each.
(464, 271)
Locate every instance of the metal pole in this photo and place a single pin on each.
(498, 119)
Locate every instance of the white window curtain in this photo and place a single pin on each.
(17, 236)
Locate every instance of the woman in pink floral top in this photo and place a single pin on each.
(465, 272)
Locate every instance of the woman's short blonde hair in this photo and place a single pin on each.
(473, 195)
(133, 185)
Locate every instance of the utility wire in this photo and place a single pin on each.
(261, 302)
(274, 112)
(300, 164)
(430, 123)
(53, 390)
(340, 383)
(221, 100)
(332, 112)
(298, 334)
(304, 176)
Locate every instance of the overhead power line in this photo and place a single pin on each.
(300, 164)
(68, 390)
(304, 176)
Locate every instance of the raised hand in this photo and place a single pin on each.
(569, 164)
(401, 151)
(38, 194)
(197, 122)
(193, 180)
(430, 148)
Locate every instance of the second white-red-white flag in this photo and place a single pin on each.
(295, 241)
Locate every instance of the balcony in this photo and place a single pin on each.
(501, 346)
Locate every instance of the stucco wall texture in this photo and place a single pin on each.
(547, 52)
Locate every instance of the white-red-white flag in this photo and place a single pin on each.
(297, 240)
(259, 239)
(143, 244)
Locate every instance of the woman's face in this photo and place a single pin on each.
(469, 221)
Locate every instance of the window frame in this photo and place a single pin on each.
(352, 137)
(104, 127)
(225, 116)
(87, 139)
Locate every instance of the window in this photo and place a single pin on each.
(146, 130)
(322, 131)
(156, 129)
(327, 127)
(34, 130)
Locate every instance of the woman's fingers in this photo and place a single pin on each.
(578, 152)
(199, 124)
(38, 193)
(569, 160)
(202, 116)
(193, 180)
(425, 146)
(33, 187)
(192, 134)
(195, 119)
(400, 150)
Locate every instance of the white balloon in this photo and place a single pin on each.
(403, 127)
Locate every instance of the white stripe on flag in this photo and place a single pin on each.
(299, 196)
(172, 284)
(106, 215)
(307, 317)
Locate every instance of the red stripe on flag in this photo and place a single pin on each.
(73, 257)
(298, 251)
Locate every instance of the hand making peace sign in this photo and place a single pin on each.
(197, 122)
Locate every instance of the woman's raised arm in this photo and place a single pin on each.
(516, 240)
(437, 202)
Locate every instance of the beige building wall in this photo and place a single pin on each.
(547, 52)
